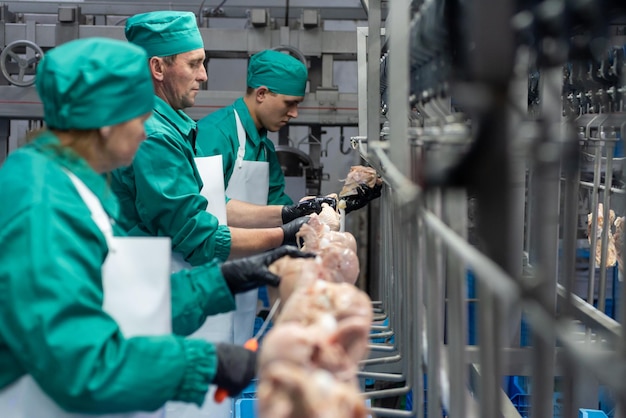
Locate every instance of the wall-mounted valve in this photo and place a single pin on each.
(18, 60)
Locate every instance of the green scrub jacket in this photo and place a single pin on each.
(52, 325)
(217, 134)
(159, 193)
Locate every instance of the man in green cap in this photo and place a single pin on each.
(168, 190)
(238, 133)
(276, 85)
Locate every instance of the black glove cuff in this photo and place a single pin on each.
(287, 214)
(230, 270)
(363, 197)
(236, 367)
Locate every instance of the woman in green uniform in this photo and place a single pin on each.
(80, 329)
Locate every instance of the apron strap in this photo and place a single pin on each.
(98, 214)
(241, 137)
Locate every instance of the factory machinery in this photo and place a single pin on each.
(233, 29)
(497, 127)
(501, 131)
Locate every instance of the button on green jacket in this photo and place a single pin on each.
(52, 325)
(217, 134)
(159, 193)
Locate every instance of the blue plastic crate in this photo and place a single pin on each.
(245, 408)
(591, 413)
(409, 400)
(516, 388)
(516, 391)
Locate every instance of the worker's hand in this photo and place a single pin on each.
(236, 367)
(364, 195)
(251, 272)
(306, 207)
(290, 230)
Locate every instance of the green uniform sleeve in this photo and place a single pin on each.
(169, 203)
(276, 195)
(51, 319)
(196, 294)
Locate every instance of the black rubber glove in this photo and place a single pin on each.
(364, 195)
(236, 367)
(251, 272)
(306, 207)
(290, 230)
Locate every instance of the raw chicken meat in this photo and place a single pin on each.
(297, 272)
(611, 254)
(316, 235)
(308, 361)
(340, 261)
(288, 391)
(310, 348)
(334, 306)
(357, 176)
(329, 217)
(337, 250)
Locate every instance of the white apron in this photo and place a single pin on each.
(250, 182)
(136, 285)
(216, 328)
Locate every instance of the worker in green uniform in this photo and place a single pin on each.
(92, 321)
(165, 192)
(237, 135)
(169, 190)
(252, 173)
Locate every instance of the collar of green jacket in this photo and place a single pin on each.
(179, 119)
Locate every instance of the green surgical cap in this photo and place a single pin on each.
(280, 73)
(94, 82)
(164, 33)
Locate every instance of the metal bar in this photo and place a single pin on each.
(392, 413)
(380, 360)
(373, 72)
(606, 227)
(399, 13)
(602, 187)
(456, 216)
(546, 213)
(361, 59)
(434, 308)
(593, 357)
(365, 5)
(379, 327)
(388, 377)
(386, 393)
(590, 316)
(571, 171)
(486, 269)
(594, 225)
(24, 103)
(406, 192)
(382, 335)
(382, 347)
(417, 353)
(507, 409)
